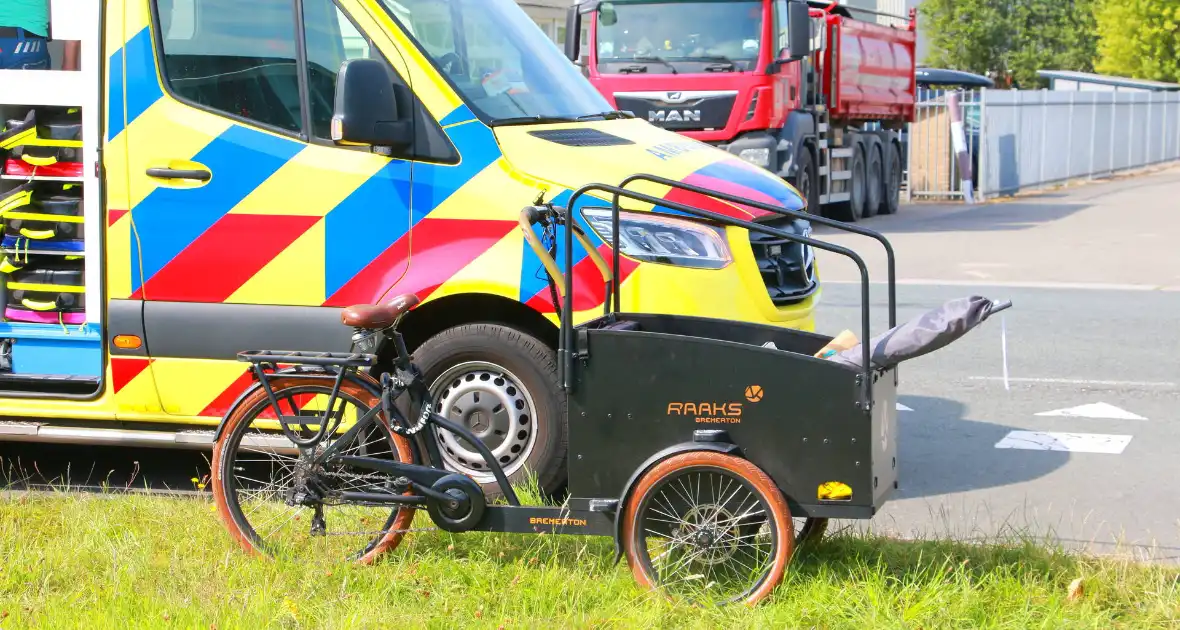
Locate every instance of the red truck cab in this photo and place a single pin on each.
(799, 88)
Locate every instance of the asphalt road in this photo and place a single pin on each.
(1094, 274)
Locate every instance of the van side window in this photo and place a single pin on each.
(236, 60)
(331, 39)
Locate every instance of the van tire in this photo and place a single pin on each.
(500, 383)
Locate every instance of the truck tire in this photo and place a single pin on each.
(891, 199)
(501, 384)
(806, 181)
(852, 210)
(874, 180)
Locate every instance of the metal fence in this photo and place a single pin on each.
(932, 171)
(1022, 140)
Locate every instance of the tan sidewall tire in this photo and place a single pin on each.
(784, 527)
(404, 452)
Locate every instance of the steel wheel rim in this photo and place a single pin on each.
(708, 541)
(468, 394)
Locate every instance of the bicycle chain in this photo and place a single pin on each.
(378, 532)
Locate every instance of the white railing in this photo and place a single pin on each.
(1028, 139)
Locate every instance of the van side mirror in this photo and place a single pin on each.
(798, 30)
(372, 106)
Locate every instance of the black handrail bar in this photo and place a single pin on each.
(566, 345)
(839, 225)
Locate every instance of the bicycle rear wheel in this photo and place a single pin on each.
(261, 478)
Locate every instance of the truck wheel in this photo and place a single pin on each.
(853, 209)
(874, 183)
(501, 384)
(891, 201)
(806, 181)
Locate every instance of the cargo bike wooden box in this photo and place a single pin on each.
(708, 449)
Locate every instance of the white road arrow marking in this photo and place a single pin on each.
(901, 407)
(1094, 410)
(1069, 442)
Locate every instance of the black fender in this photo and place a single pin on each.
(725, 448)
(797, 132)
(374, 390)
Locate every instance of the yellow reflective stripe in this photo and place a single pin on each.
(17, 201)
(46, 142)
(53, 218)
(45, 288)
(39, 235)
(19, 138)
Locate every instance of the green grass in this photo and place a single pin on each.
(136, 561)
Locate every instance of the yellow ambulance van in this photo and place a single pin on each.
(184, 195)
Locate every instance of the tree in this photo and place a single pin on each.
(1011, 38)
(964, 35)
(1139, 38)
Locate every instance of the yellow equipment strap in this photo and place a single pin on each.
(38, 235)
(38, 306)
(39, 161)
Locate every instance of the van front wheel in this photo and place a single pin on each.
(501, 384)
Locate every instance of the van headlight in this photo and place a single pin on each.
(665, 240)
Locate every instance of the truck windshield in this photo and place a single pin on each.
(655, 36)
(499, 61)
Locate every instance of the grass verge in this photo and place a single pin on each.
(137, 561)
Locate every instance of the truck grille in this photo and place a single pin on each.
(680, 111)
(787, 268)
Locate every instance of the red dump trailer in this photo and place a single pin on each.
(826, 117)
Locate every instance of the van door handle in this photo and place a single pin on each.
(174, 173)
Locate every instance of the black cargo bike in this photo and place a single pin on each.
(695, 443)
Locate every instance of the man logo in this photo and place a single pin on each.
(754, 393)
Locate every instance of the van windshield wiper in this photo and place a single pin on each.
(614, 114)
(536, 120)
(656, 59)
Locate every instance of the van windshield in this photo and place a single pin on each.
(499, 60)
(657, 36)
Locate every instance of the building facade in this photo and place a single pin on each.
(549, 15)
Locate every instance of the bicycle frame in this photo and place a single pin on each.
(393, 387)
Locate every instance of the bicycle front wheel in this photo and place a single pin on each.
(276, 500)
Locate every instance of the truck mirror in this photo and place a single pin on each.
(372, 106)
(573, 32)
(798, 30)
